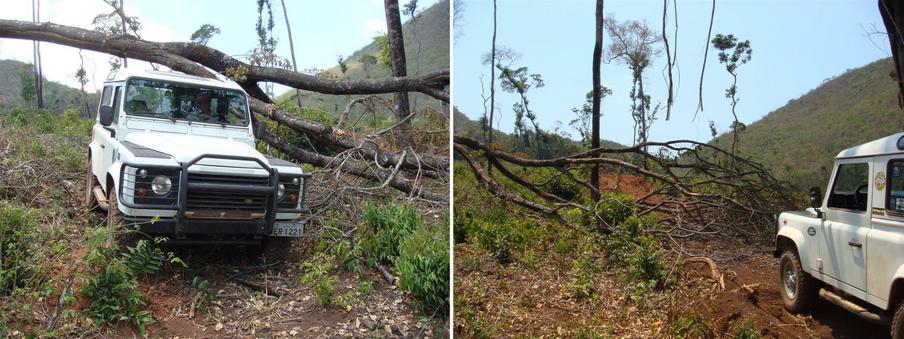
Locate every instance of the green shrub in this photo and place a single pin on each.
(112, 285)
(316, 274)
(692, 325)
(385, 226)
(423, 266)
(745, 329)
(556, 183)
(464, 224)
(205, 294)
(114, 296)
(629, 247)
(585, 267)
(612, 209)
(16, 244)
(500, 239)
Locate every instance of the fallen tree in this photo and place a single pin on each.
(360, 156)
(702, 190)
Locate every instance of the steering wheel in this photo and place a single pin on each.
(860, 188)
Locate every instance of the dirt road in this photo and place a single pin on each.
(759, 273)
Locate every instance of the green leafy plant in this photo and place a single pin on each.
(112, 286)
(585, 267)
(500, 239)
(16, 226)
(205, 294)
(692, 325)
(423, 266)
(385, 226)
(316, 273)
(612, 209)
(745, 329)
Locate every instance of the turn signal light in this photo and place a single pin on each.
(293, 198)
(140, 192)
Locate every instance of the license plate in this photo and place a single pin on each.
(288, 229)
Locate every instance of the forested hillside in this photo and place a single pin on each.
(430, 29)
(800, 140)
(57, 97)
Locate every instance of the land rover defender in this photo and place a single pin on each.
(848, 248)
(174, 155)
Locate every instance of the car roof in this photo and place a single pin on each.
(881, 146)
(124, 73)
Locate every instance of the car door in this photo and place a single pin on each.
(886, 238)
(106, 137)
(842, 250)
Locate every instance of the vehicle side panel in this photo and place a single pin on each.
(885, 242)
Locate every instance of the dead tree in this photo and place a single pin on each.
(893, 17)
(397, 58)
(349, 154)
(597, 93)
(697, 192)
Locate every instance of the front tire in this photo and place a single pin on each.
(122, 237)
(897, 323)
(799, 290)
(90, 183)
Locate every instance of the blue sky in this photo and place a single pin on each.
(322, 29)
(796, 45)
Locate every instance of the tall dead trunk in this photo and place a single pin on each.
(492, 89)
(39, 72)
(397, 56)
(125, 28)
(892, 12)
(291, 49)
(597, 59)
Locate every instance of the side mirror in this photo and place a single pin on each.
(106, 115)
(815, 197)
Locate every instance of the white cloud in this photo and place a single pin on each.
(372, 27)
(60, 62)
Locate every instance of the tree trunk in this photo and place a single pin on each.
(125, 27)
(291, 50)
(186, 57)
(492, 89)
(397, 56)
(597, 59)
(202, 61)
(892, 12)
(39, 72)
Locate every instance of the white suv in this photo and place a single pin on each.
(849, 247)
(174, 154)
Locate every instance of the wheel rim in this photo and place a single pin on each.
(789, 279)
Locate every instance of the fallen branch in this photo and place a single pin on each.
(58, 309)
(386, 275)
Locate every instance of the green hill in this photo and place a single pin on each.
(430, 28)
(57, 97)
(800, 140)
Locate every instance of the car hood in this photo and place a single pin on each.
(186, 148)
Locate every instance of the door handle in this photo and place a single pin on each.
(853, 244)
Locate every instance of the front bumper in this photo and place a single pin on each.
(181, 224)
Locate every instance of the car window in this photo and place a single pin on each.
(895, 200)
(851, 187)
(105, 98)
(116, 104)
(175, 101)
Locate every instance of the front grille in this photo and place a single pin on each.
(239, 204)
(228, 179)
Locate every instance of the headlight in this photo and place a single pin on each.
(281, 192)
(161, 185)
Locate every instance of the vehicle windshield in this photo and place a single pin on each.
(174, 101)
